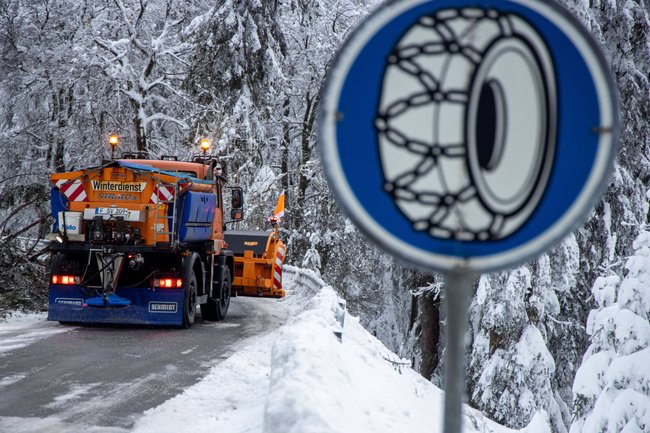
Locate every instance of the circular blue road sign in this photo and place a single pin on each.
(468, 134)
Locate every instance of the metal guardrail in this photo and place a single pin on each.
(340, 318)
(315, 283)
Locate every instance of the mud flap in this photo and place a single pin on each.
(137, 305)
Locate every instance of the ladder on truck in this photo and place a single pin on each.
(165, 218)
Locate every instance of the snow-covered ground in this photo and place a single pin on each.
(314, 375)
(303, 379)
(21, 329)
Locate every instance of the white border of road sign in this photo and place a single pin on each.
(578, 211)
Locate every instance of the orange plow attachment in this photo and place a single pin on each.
(258, 262)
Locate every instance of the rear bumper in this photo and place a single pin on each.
(148, 307)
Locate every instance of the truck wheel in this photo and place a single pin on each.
(189, 302)
(224, 296)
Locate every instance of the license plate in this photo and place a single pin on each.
(113, 211)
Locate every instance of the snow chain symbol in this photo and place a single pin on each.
(480, 147)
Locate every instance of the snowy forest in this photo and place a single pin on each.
(567, 334)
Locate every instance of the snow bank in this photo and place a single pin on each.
(303, 378)
(320, 384)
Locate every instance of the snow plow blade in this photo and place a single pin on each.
(258, 262)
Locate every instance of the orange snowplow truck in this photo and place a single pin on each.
(144, 241)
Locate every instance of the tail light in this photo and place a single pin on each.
(168, 283)
(65, 280)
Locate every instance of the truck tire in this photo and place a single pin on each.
(215, 309)
(224, 294)
(189, 302)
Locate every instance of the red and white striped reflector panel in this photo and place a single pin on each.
(162, 193)
(277, 269)
(72, 189)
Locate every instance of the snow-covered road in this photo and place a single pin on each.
(252, 374)
(81, 378)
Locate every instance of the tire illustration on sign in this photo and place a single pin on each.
(476, 91)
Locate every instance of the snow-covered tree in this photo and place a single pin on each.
(142, 54)
(42, 96)
(236, 81)
(510, 367)
(247, 73)
(559, 299)
(69, 70)
(235, 76)
(612, 386)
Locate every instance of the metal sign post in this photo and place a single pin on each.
(486, 130)
(460, 285)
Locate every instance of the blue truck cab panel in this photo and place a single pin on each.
(196, 215)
